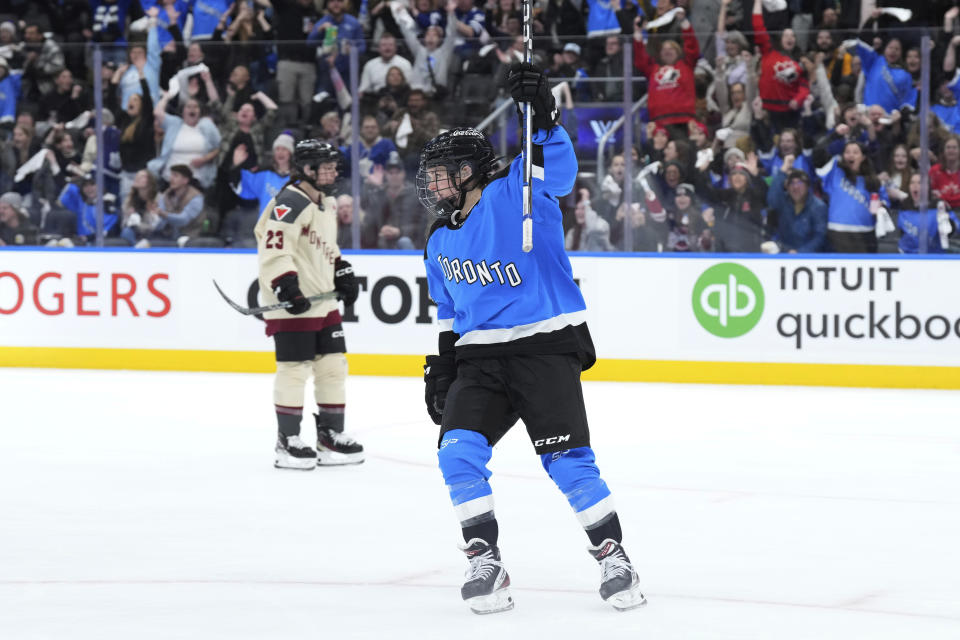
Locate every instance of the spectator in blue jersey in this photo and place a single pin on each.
(934, 226)
(257, 187)
(948, 93)
(242, 128)
(513, 341)
(262, 184)
(374, 149)
(802, 216)
(602, 18)
(10, 82)
(349, 33)
(145, 56)
(108, 24)
(172, 14)
(426, 14)
(855, 195)
(886, 83)
(81, 200)
(773, 149)
(206, 15)
(471, 25)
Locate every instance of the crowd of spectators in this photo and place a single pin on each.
(782, 125)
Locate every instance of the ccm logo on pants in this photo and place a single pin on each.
(551, 440)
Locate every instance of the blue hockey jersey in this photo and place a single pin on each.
(206, 16)
(9, 95)
(849, 202)
(911, 223)
(890, 87)
(262, 186)
(490, 293)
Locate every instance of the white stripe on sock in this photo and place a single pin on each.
(596, 513)
(474, 508)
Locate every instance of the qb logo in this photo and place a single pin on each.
(728, 300)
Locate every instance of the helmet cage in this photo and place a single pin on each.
(452, 151)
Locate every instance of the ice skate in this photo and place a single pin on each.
(618, 581)
(292, 453)
(486, 589)
(336, 448)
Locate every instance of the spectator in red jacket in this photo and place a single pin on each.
(783, 81)
(945, 177)
(672, 91)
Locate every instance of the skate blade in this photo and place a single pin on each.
(335, 458)
(499, 600)
(628, 599)
(295, 464)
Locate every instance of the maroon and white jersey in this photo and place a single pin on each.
(295, 235)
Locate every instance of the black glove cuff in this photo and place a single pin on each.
(442, 366)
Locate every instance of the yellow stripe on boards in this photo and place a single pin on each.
(682, 371)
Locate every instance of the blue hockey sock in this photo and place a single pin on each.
(576, 474)
(463, 457)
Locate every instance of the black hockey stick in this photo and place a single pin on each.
(271, 307)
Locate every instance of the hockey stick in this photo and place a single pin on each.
(330, 295)
(527, 136)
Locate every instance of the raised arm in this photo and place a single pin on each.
(641, 59)
(760, 35)
(691, 48)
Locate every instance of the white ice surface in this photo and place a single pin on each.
(145, 505)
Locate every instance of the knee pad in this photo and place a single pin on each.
(329, 376)
(289, 383)
(576, 474)
(463, 457)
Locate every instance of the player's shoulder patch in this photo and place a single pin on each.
(288, 206)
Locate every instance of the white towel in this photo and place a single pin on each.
(404, 131)
(666, 18)
(32, 165)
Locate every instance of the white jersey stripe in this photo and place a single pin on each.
(494, 336)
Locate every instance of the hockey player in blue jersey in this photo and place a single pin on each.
(513, 341)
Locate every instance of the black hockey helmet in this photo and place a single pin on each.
(453, 150)
(313, 153)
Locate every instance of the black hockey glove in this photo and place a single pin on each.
(344, 282)
(287, 289)
(528, 84)
(438, 373)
